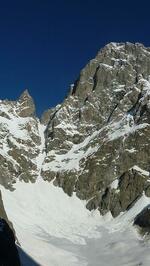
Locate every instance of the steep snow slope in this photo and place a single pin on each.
(43, 214)
(55, 229)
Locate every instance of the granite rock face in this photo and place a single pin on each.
(100, 133)
(96, 143)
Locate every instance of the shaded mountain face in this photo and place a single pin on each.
(96, 143)
(143, 220)
(8, 250)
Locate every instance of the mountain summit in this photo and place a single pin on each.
(27, 104)
(95, 144)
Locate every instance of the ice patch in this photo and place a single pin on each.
(143, 172)
(114, 184)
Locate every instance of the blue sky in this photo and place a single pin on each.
(44, 44)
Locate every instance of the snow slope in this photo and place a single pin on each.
(56, 230)
(44, 214)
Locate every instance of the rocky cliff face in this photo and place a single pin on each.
(20, 141)
(96, 143)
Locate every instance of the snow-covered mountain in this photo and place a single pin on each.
(95, 148)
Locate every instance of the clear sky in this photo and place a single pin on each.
(44, 44)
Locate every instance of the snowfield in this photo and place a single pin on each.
(57, 230)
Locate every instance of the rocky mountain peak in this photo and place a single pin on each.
(96, 143)
(91, 137)
(116, 62)
(25, 94)
(27, 104)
